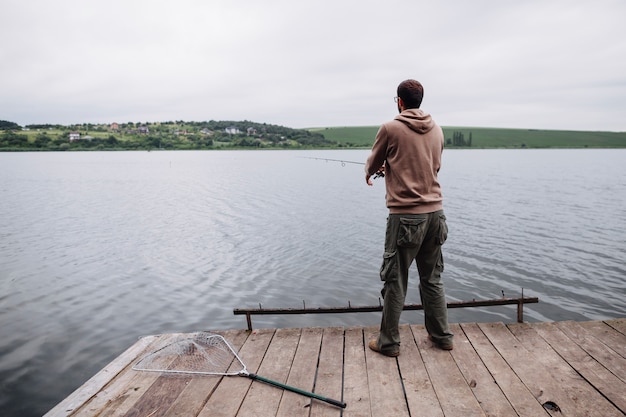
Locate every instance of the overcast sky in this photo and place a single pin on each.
(542, 64)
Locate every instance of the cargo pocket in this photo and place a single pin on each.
(443, 230)
(389, 268)
(411, 232)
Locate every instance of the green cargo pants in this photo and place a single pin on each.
(416, 237)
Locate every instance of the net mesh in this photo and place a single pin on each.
(198, 353)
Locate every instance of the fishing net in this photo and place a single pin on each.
(209, 354)
(197, 353)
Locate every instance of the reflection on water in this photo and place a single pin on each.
(97, 249)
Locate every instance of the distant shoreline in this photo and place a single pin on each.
(220, 135)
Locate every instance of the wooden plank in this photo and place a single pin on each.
(96, 383)
(230, 393)
(529, 369)
(454, 394)
(601, 378)
(197, 391)
(385, 388)
(355, 387)
(581, 394)
(486, 390)
(517, 393)
(120, 395)
(420, 394)
(158, 398)
(263, 399)
(302, 374)
(617, 324)
(607, 335)
(598, 350)
(115, 400)
(329, 381)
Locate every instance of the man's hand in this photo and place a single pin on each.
(379, 173)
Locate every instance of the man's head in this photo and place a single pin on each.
(411, 93)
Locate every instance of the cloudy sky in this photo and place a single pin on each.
(543, 64)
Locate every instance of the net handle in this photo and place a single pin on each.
(256, 377)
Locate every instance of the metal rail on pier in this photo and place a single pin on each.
(248, 312)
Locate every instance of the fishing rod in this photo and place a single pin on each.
(343, 162)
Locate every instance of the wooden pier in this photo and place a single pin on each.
(541, 369)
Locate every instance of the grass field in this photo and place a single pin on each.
(492, 137)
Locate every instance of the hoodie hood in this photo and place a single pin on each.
(417, 120)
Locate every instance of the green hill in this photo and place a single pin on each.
(482, 137)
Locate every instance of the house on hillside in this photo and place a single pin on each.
(114, 127)
(232, 130)
(144, 130)
(74, 136)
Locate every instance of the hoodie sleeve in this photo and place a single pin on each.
(379, 152)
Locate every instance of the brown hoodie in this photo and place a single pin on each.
(410, 147)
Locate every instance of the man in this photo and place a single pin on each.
(408, 150)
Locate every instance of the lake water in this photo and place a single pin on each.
(98, 249)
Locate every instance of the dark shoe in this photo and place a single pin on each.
(442, 346)
(373, 344)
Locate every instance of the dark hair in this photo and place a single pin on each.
(412, 93)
